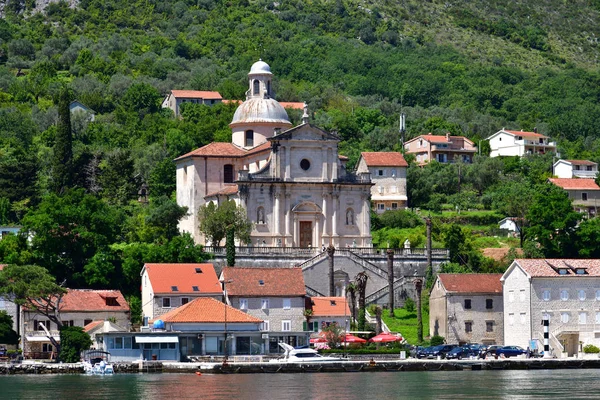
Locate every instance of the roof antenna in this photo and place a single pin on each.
(305, 115)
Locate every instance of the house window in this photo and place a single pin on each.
(264, 326)
(489, 303)
(287, 304)
(349, 217)
(523, 317)
(468, 326)
(582, 318)
(597, 294)
(264, 304)
(393, 189)
(87, 321)
(546, 295)
(511, 295)
(256, 87)
(564, 294)
(243, 304)
(227, 173)
(489, 326)
(589, 168)
(195, 289)
(69, 323)
(166, 302)
(522, 295)
(380, 206)
(380, 172)
(598, 317)
(286, 325)
(546, 316)
(260, 215)
(581, 294)
(184, 300)
(511, 318)
(394, 206)
(564, 317)
(249, 138)
(467, 304)
(305, 164)
(584, 196)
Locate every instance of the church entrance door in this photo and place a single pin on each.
(305, 234)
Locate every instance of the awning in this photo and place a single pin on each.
(41, 338)
(156, 339)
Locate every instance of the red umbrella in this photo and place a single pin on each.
(319, 339)
(385, 338)
(353, 339)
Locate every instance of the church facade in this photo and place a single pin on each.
(291, 180)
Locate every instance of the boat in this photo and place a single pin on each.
(304, 355)
(97, 362)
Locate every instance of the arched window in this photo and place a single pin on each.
(256, 87)
(269, 90)
(228, 173)
(349, 217)
(260, 215)
(249, 138)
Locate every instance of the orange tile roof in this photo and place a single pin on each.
(292, 104)
(216, 149)
(471, 283)
(526, 134)
(259, 148)
(227, 191)
(329, 306)
(284, 282)
(92, 325)
(204, 310)
(575, 183)
(581, 162)
(550, 267)
(232, 101)
(184, 276)
(196, 94)
(93, 300)
(384, 159)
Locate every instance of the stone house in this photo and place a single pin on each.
(79, 307)
(584, 193)
(565, 291)
(388, 174)
(168, 286)
(176, 98)
(325, 311)
(519, 143)
(443, 149)
(467, 308)
(204, 326)
(276, 296)
(575, 169)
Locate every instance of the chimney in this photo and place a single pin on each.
(448, 136)
(535, 129)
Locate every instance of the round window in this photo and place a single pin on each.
(305, 164)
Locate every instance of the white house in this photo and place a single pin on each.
(565, 291)
(78, 108)
(575, 169)
(168, 286)
(519, 143)
(584, 193)
(388, 173)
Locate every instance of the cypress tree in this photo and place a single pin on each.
(62, 169)
(230, 246)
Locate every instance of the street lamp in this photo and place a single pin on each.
(223, 282)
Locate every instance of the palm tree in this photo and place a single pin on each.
(361, 285)
(419, 288)
(351, 290)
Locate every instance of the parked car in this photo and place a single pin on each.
(510, 351)
(488, 350)
(440, 351)
(461, 352)
(422, 352)
(414, 351)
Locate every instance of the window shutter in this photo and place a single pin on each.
(305, 326)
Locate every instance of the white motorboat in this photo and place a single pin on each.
(293, 355)
(96, 362)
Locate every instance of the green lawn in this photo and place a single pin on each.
(406, 323)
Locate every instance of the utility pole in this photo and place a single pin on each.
(402, 128)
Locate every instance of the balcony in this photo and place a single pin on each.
(584, 174)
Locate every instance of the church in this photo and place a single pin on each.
(290, 179)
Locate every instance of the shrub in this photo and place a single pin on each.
(591, 349)
(437, 340)
(409, 305)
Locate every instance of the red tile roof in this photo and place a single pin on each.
(92, 325)
(292, 104)
(526, 134)
(575, 183)
(184, 276)
(227, 191)
(471, 283)
(259, 148)
(384, 159)
(216, 149)
(77, 300)
(284, 282)
(329, 306)
(581, 162)
(204, 310)
(196, 94)
(550, 267)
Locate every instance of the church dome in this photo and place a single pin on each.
(259, 110)
(260, 67)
